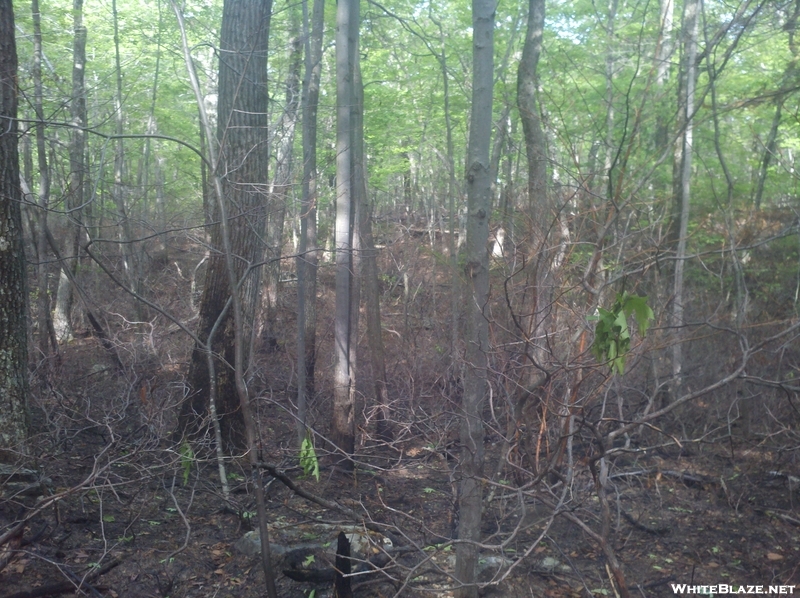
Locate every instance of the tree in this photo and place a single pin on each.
(77, 177)
(479, 198)
(684, 153)
(242, 170)
(129, 254)
(13, 296)
(282, 181)
(44, 321)
(538, 200)
(343, 429)
(308, 256)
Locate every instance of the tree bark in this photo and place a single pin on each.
(479, 198)
(539, 276)
(455, 291)
(242, 170)
(369, 270)
(281, 187)
(13, 298)
(77, 166)
(129, 257)
(152, 129)
(663, 68)
(308, 258)
(690, 18)
(343, 429)
(44, 323)
(357, 191)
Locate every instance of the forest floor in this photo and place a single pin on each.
(153, 521)
(710, 516)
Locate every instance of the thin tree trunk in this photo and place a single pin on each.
(690, 18)
(452, 246)
(357, 190)
(343, 429)
(77, 172)
(126, 234)
(308, 257)
(151, 130)
(43, 299)
(539, 276)
(479, 196)
(663, 67)
(281, 187)
(369, 270)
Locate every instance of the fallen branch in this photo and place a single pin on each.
(780, 515)
(656, 531)
(67, 587)
(329, 504)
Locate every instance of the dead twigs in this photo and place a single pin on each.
(67, 587)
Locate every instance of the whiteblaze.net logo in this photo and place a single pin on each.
(720, 589)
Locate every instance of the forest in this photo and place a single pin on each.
(395, 298)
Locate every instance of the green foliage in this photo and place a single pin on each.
(187, 460)
(612, 339)
(308, 457)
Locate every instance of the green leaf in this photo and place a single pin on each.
(612, 339)
(621, 321)
(644, 315)
(308, 457)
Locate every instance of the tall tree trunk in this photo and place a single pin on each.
(129, 257)
(663, 68)
(13, 329)
(343, 429)
(539, 278)
(357, 190)
(369, 263)
(243, 44)
(241, 169)
(152, 128)
(479, 198)
(452, 214)
(43, 298)
(690, 17)
(77, 172)
(281, 185)
(308, 257)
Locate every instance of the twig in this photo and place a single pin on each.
(334, 506)
(656, 531)
(66, 587)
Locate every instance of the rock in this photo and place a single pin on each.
(311, 537)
